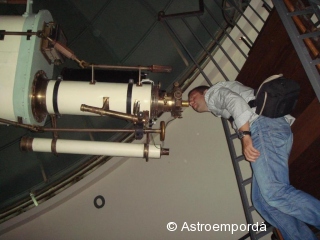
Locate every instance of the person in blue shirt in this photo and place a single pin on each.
(266, 144)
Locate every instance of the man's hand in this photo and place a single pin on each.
(250, 153)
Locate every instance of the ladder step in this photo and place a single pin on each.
(301, 12)
(251, 208)
(315, 62)
(239, 158)
(247, 181)
(310, 35)
(233, 136)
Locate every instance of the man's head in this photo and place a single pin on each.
(196, 99)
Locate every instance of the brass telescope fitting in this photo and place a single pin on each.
(102, 112)
(26, 144)
(185, 103)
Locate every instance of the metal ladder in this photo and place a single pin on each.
(249, 210)
(302, 41)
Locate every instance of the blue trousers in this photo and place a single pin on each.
(278, 202)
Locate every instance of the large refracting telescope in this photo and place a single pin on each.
(30, 47)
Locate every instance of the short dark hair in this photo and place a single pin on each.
(199, 89)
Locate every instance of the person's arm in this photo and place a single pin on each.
(250, 153)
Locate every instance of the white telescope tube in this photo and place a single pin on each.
(92, 148)
(66, 97)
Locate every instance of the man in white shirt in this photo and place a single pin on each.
(266, 144)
